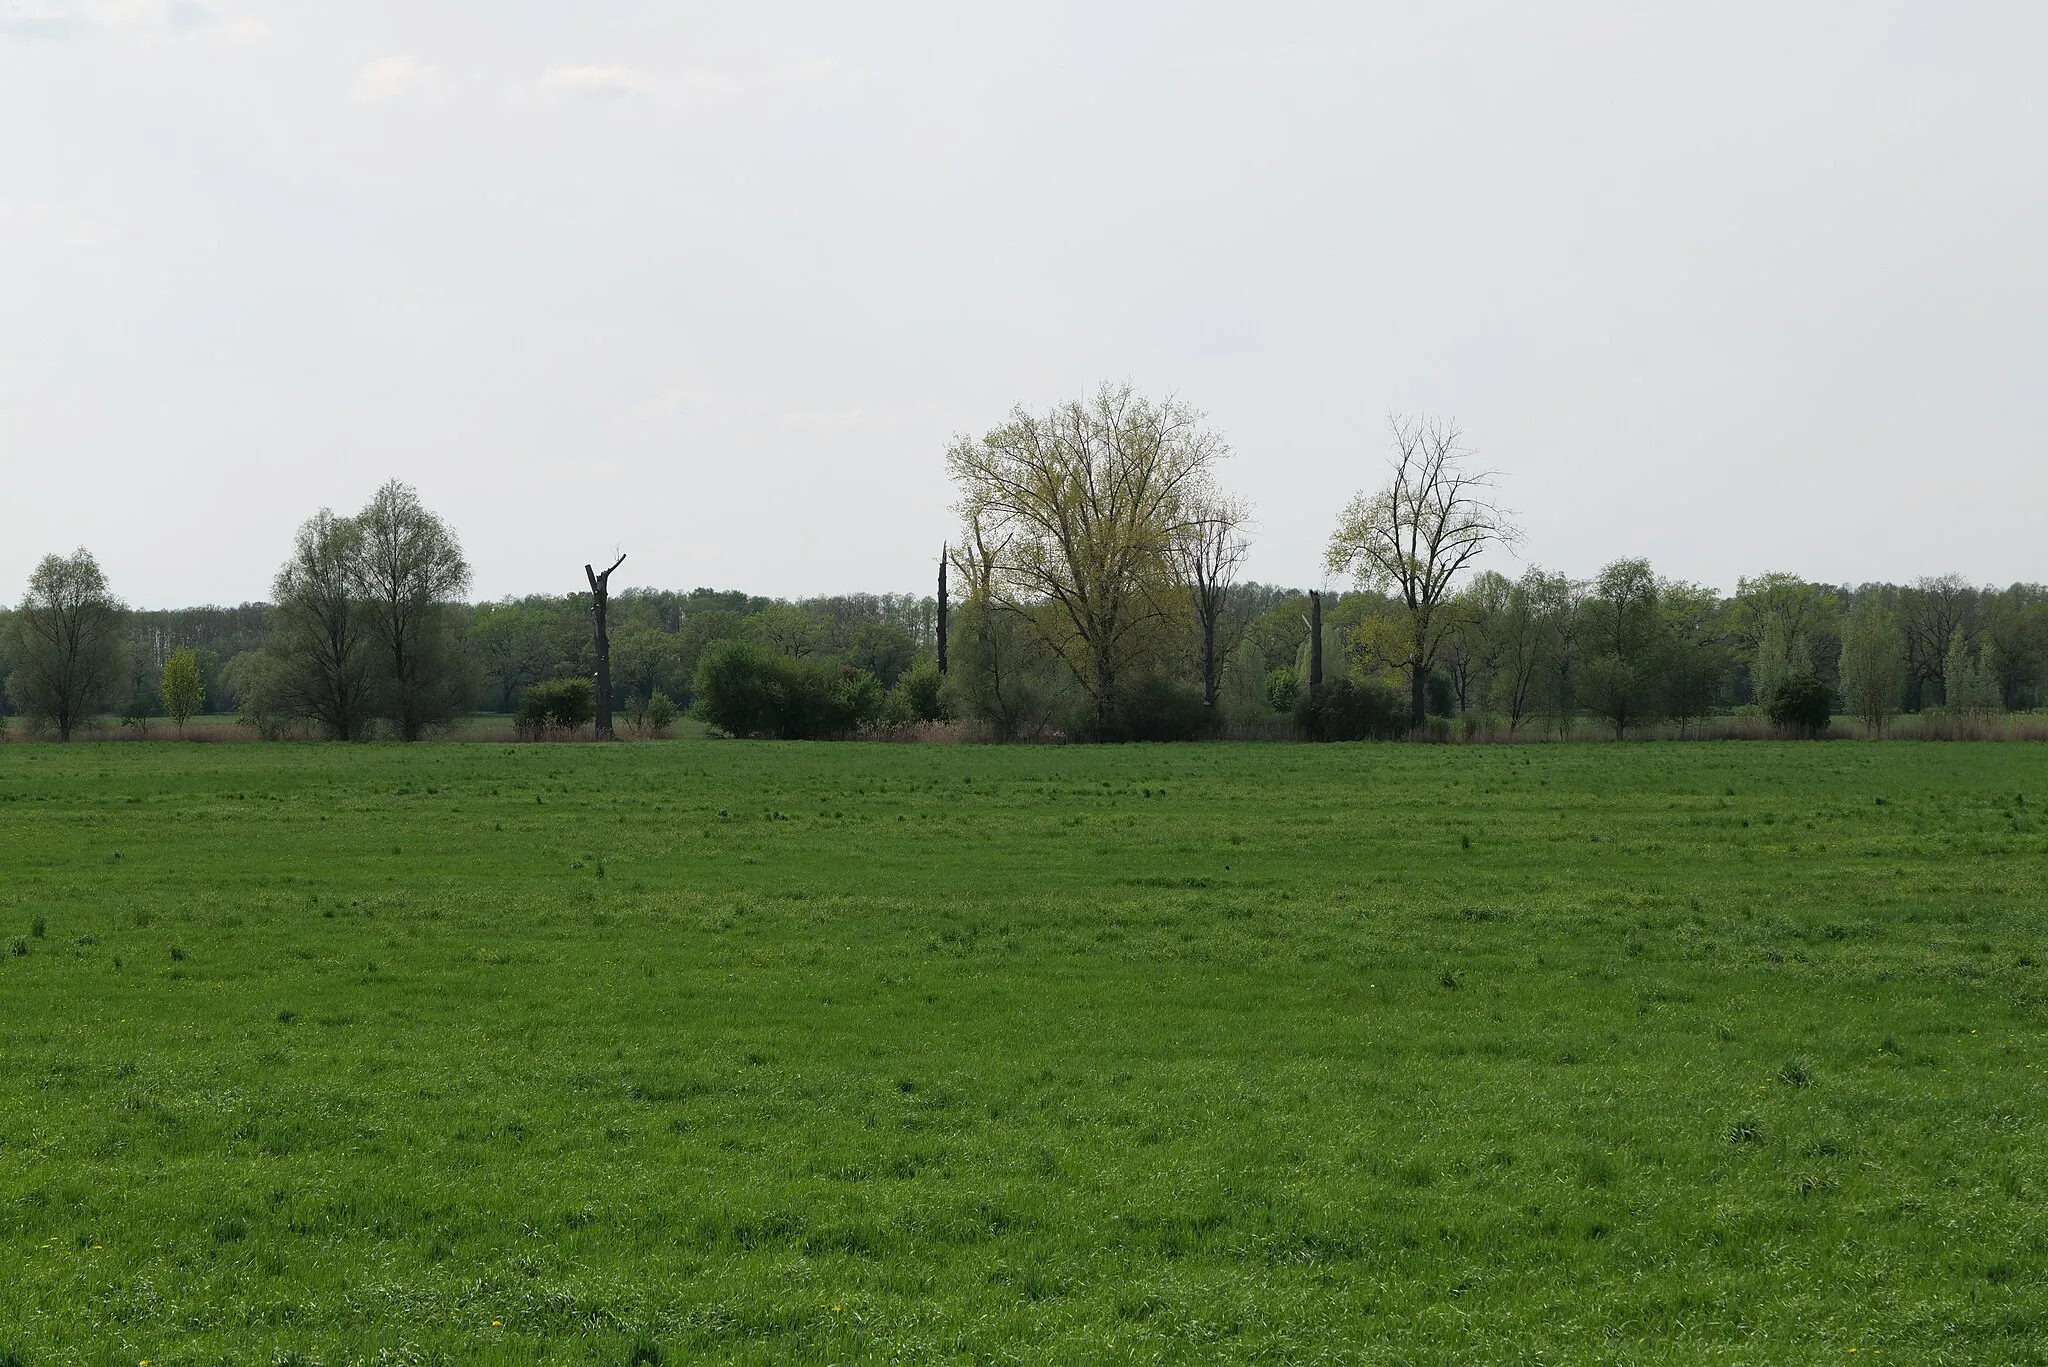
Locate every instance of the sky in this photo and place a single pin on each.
(1736, 287)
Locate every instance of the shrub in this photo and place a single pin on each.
(1283, 689)
(1802, 705)
(1004, 678)
(1442, 700)
(922, 693)
(1158, 708)
(748, 690)
(555, 706)
(1479, 725)
(1348, 710)
(660, 715)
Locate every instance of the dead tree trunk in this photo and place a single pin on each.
(600, 597)
(1315, 639)
(942, 610)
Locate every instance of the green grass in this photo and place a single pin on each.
(761, 1053)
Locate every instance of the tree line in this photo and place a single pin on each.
(1091, 592)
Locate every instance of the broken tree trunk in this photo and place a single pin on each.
(600, 597)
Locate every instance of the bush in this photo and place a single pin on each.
(661, 713)
(1347, 710)
(748, 690)
(556, 706)
(1283, 689)
(1004, 678)
(1802, 705)
(1441, 700)
(1157, 708)
(919, 694)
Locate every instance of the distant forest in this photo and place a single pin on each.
(1090, 593)
(1775, 625)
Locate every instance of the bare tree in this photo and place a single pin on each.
(1078, 510)
(1209, 553)
(600, 600)
(409, 567)
(943, 624)
(1931, 612)
(65, 641)
(1417, 535)
(1314, 622)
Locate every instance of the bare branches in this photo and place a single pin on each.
(1416, 536)
(1208, 553)
(599, 583)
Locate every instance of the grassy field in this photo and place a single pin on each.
(761, 1053)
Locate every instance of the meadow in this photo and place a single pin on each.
(759, 1053)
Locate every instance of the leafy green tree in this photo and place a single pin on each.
(322, 647)
(1781, 622)
(1969, 689)
(255, 677)
(1071, 520)
(1873, 664)
(1559, 601)
(2016, 642)
(1283, 689)
(409, 569)
(790, 629)
(1519, 639)
(182, 690)
(64, 643)
(660, 714)
(1695, 648)
(1004, 675)
(516, 644)
(644, 660)
(1802, 705)
(920, 692)
(701, 630)
(883, 649)
(1468, 659)
(1620, 677)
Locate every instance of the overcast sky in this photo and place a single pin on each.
(1737, 288)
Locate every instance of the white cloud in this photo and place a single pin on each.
(388, 78)
(593, 82)
(52, 225)
(206, 21)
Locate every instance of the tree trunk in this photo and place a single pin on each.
(1418, 694)
(942, 610)
(600, 596)
(1209, 661)
(1315, 639)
